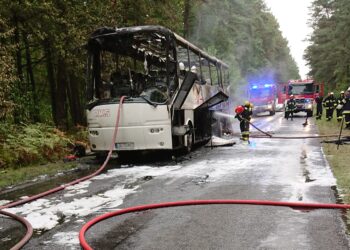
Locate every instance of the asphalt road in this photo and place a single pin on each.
(265, 169)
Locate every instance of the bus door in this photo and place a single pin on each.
(184, 90)
(203, 116)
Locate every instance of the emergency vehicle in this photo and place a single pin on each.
(263, 97)
(304, 91)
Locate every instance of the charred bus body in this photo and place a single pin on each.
(170, 86)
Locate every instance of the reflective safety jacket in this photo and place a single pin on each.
(340, 101)
(291, 105)
(330, 102)
(346, 105)
(246, 114)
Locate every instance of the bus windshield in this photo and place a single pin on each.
(301, 89)
(137, 64)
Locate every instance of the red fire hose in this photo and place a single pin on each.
(90, 223)
(56, 189)
(29, 227)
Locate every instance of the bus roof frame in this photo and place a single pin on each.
(105, 32)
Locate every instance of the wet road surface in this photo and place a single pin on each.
(266, 169)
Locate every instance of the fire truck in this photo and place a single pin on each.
(263, 97)
(304, 91)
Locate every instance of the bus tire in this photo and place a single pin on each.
(101, 156)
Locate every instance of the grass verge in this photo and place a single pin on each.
(14, 176)
(338, 159)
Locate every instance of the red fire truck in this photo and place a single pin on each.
(263, 97)
(304, 91)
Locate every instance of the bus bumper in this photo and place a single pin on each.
(131, 138)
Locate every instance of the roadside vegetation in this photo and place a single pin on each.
(29, 150)
(338, 159)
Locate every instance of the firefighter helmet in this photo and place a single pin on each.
(181, 66)
(291, 96)
(342, 92)
(239, 109)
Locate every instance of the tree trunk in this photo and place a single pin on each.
(18, 50)
(61, 95)
(34, 111)
(75, 100)
(51, 79)
(186, 18)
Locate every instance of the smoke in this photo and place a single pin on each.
(255, 51)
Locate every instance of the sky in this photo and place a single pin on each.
(293, 16)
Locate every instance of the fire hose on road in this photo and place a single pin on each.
(96, 220)
(29, 233)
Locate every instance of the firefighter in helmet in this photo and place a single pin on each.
(339, 107)
(244, 115)
(291, 105)
(319, 100)
(346, 108)
(329, 103)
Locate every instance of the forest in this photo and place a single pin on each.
(328, 53)
(43, 57)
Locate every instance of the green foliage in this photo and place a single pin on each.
(7, 75)
(35, 143)
(328, 55)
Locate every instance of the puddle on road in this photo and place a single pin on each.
(303, 164)
(30, 189)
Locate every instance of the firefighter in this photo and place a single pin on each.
(319, 100)
(346, 109)
(339, 107)
(329, 103)
(291, 105)
(244, 115)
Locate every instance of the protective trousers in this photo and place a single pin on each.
(290, 113)
(244, 126)
(346, 114)
(339, 114)
(329, 113)
(318, 111)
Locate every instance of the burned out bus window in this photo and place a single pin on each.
(194, 63)
(206, 77)
(226, 77)
(214, 74)
(130, 65)
(182, 58)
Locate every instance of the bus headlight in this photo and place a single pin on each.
(309, 106)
